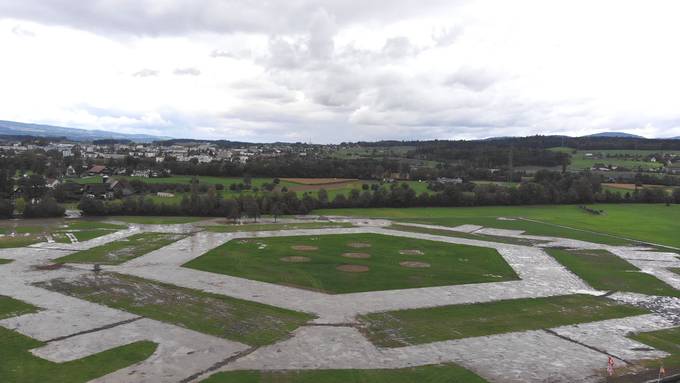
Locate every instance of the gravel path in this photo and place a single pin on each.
(74, 328)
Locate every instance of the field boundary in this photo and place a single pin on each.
(599, 233)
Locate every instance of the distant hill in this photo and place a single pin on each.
(614, 134)
(11, 128)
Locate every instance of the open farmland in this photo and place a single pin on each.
(655, 223)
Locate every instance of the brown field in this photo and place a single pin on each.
(621, 186)
(330, 186)
(319, 181)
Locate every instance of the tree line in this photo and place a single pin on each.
(547, 188)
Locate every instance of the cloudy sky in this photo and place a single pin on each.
(327, 71)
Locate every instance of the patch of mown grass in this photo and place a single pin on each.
(275, 226)
(92, 225)
(123, 250)
(5, 261)
(143, 220)
(666, 340)
(418, 326)
(19, 241)
(444, 373)
(17, 364)
(262, 259)
(675, 270)
(234, 319)
(457, 234)
(656, 223)
(10, 307)
(605, 271)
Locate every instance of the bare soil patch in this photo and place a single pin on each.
(304, 248)
(295, 259)
(353, 268)
(411, 252)
(356, 255)
(359, 245)
(414, 264)
(54, 266)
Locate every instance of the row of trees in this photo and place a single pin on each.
(548, 188)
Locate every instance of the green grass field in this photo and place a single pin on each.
(28, 232)
(17, 364)
(408, 327)
(605, 271)
(446, 373)
(229, 228)
(10, 307)
(635, 158)
(84, 230)
(457, 234)
(5, 261)
(117, 252)
(331, 189)
(656, 223)
(234, 319)
(261, 259)
(665, 340)
(141, 220)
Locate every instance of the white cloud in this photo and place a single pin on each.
(189, 71)
(333, 71)
(146, 72)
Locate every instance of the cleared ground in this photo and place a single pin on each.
(23, 233)
(156, 220)
(605, 271)
(17, 364)
(408, 327)
(123, 250)
(229, 228)
(457, 234)
(447, 373)
(655, 223)
(348, 263)
(229, 318)
(665, 340)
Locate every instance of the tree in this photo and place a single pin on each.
(231, 207)
(275, 211)
(251, 208)
(323, 197)
(6, 209)
(33, 187)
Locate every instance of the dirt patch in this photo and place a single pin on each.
(411, 252)
(55, 266)
(295, 259)
(359, 245)
(353, 268)
(304, 248)
(356, 255)
(415, 265)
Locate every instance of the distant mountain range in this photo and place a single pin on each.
(614, 134)
(11, 128)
